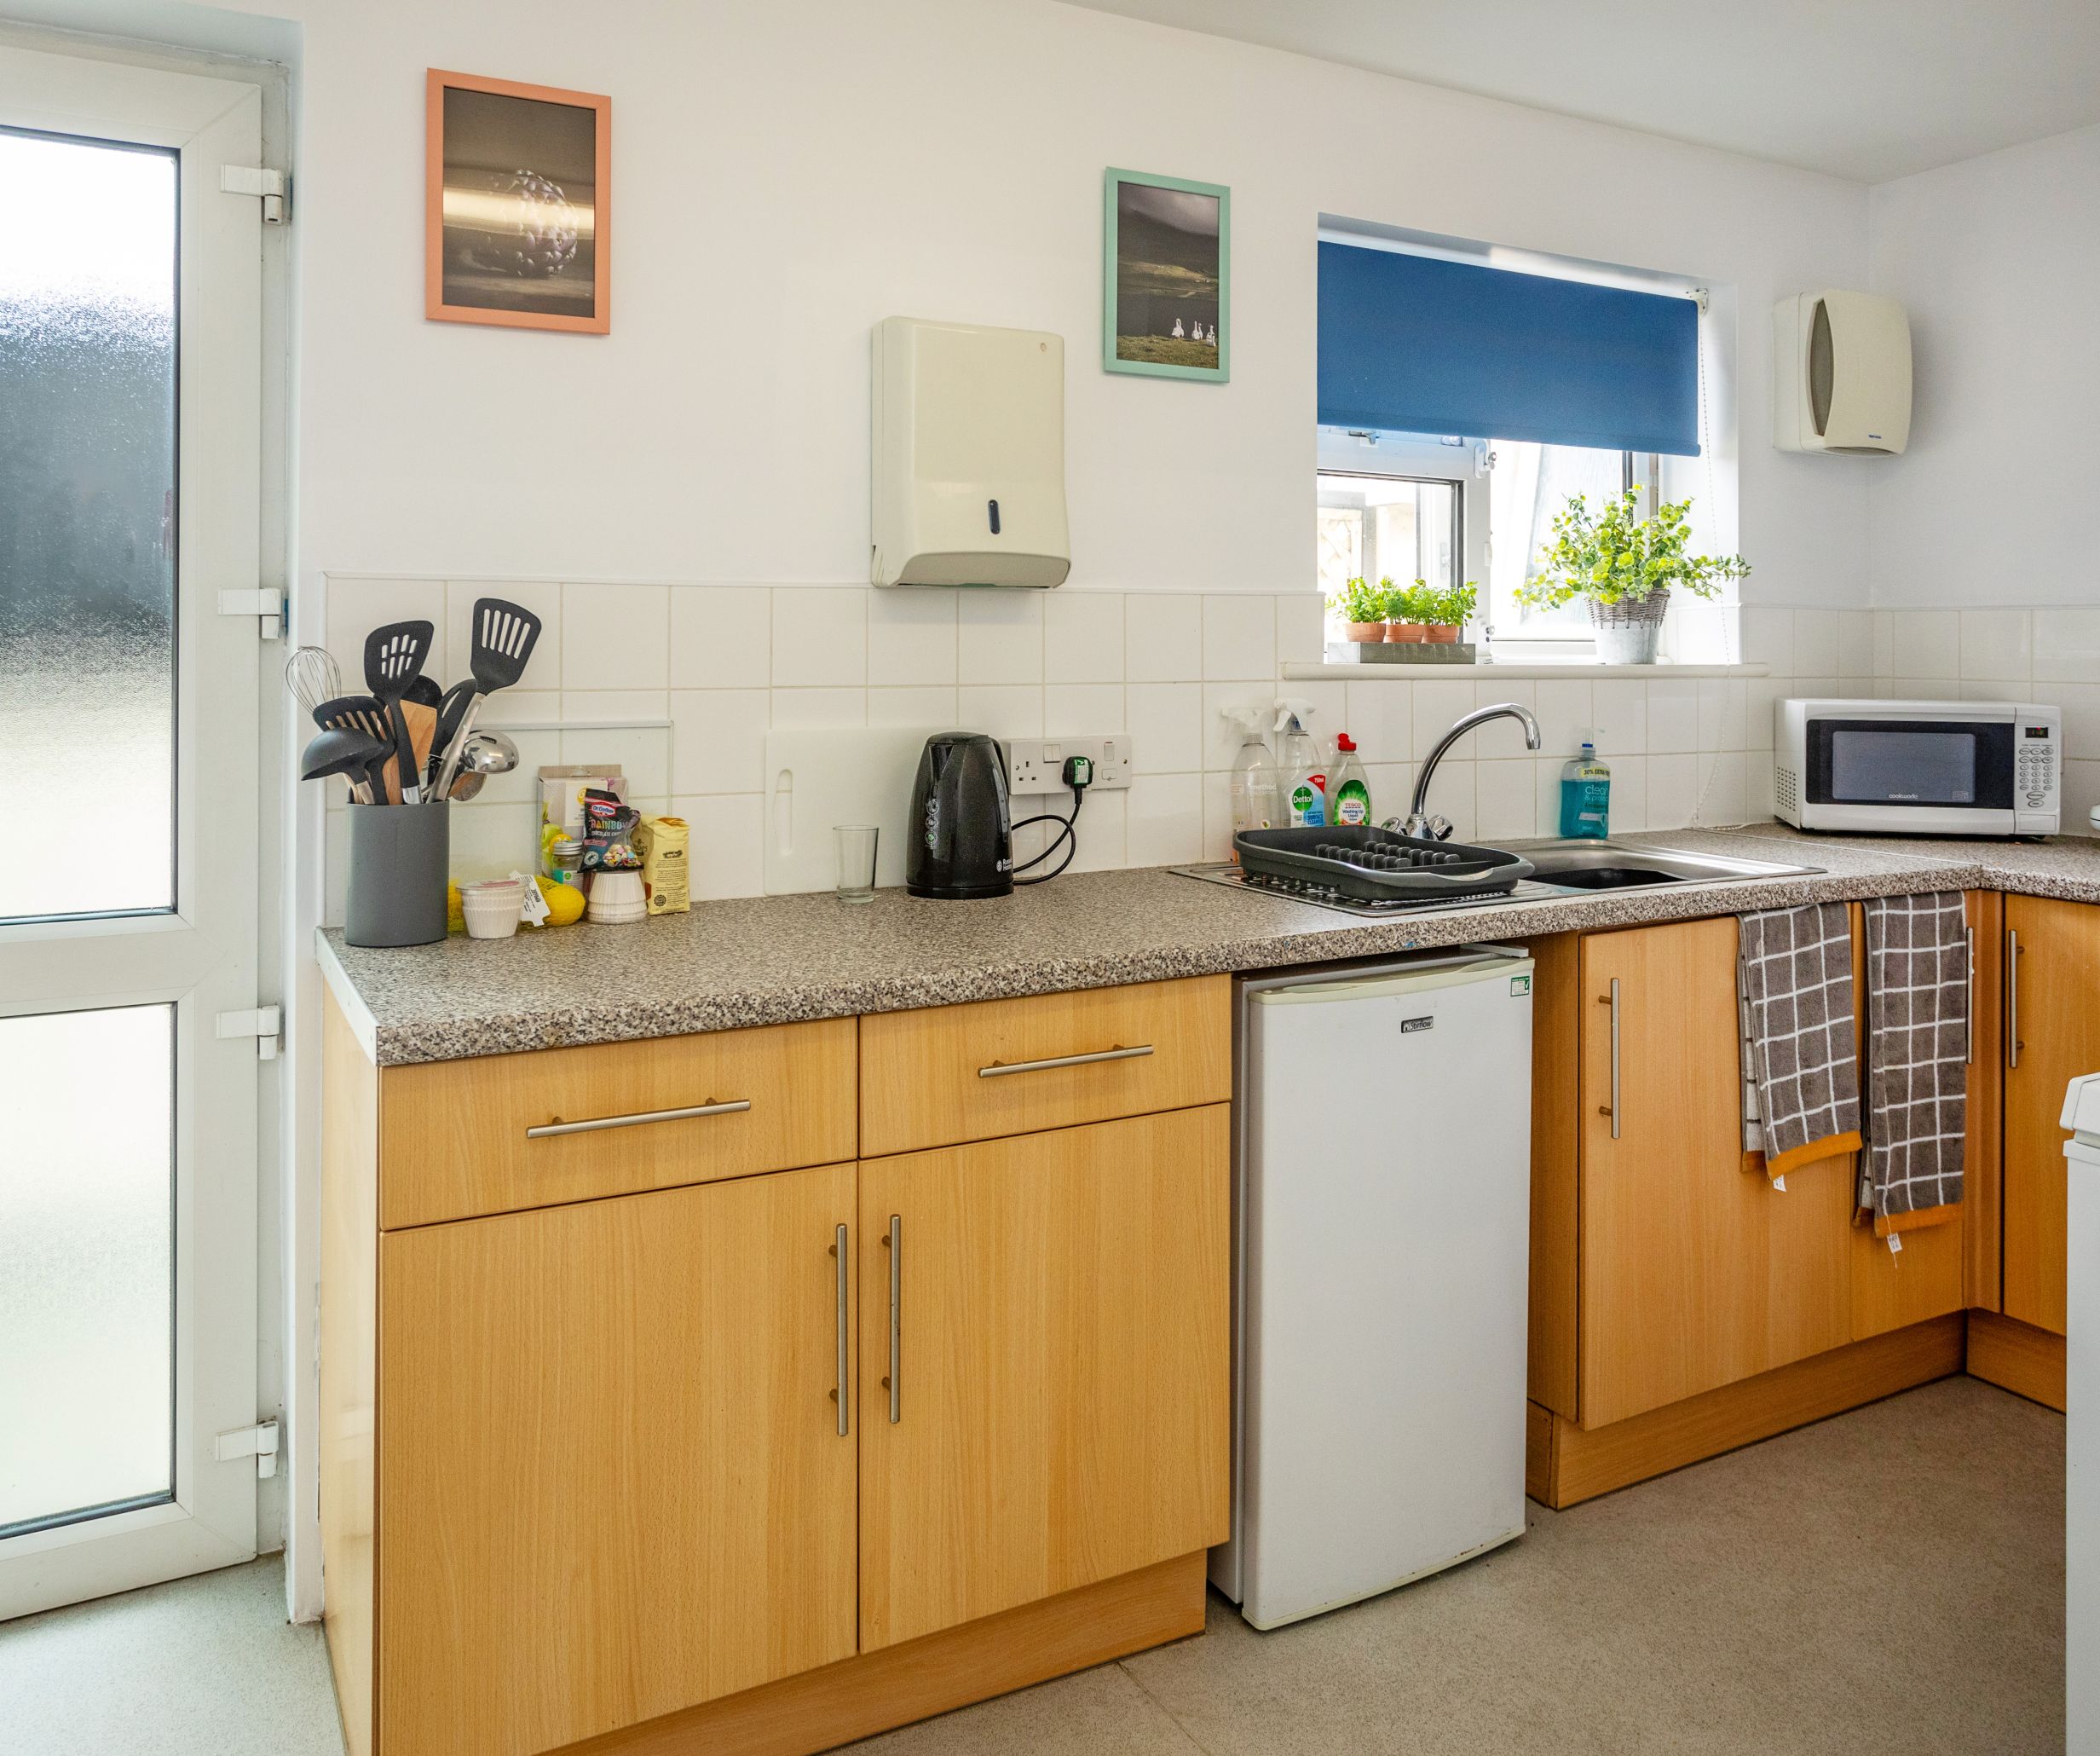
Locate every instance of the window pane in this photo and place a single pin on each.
(1384, 527)
(87, 522)
(1531, 483)
(86, 1260)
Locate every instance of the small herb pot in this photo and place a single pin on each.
(1364, 633)
(1441, 634)
(1406, 633)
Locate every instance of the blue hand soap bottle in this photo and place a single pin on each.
(1585, 797)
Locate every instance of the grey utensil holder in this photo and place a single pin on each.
(398, 857)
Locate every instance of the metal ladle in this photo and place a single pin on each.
(486, 752)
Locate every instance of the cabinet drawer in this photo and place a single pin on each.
(954, 1073)
(502, 1132)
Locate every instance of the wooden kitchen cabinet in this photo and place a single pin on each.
(2052, 979)
(611, 1476)
(1674, 1246)
(1045, 1397)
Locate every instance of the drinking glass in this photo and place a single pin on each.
(856, 862)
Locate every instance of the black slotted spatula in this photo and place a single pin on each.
(394, 656)
(505, 635)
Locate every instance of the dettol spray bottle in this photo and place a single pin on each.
(1348, 788)
(1257, 802)
(1298, 760)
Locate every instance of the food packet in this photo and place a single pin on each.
(608, 833)
(661, 841)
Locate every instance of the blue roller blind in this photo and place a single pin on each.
(1411, 344)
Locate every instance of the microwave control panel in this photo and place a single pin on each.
(2035, 776)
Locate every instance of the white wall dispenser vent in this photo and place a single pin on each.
(1842, 373)
(969, 456)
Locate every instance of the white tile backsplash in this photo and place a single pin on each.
(1163, 636)
(723, 662)
(1082, 637)
(614, 637)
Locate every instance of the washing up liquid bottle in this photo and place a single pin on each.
(1298, 760)
(1586, 797)
(1348, 788)
(1256, 800)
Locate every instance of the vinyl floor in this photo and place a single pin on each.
(1888, 1581)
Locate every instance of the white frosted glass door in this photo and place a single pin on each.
(131, 355)
(86, 1261)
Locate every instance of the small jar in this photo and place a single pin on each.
(565, 861)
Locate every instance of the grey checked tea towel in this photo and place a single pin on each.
(1801, 1072)
(1917, 1058)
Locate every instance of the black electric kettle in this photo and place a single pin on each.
(959, 837)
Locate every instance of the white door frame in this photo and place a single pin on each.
(201, 957)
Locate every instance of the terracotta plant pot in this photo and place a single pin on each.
(1406, 633)
(1441, 634)
(1364, 633)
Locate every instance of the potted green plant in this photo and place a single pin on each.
(1446, 609)
(1626, 566)
(1361, 606)
(1405, 624)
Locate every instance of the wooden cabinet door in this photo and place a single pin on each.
(611, 1478)
(1062, 1391)
(2052, 982)
(1674, 1228)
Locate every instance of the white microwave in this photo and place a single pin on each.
(1919, 768)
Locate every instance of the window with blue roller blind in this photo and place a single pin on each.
(1416, 345)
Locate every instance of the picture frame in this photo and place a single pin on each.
(1165, 277)
(518, 205)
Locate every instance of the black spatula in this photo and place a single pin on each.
(505, 635)
(394, 656)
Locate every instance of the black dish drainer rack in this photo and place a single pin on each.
(1377, 865)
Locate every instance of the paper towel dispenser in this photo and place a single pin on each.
(969, 456)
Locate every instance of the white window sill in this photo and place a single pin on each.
(1518, 668)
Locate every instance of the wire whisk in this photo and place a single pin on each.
(313, 675)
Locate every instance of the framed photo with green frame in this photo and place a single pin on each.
(1166, 297)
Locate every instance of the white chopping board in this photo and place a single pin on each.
(815, 780)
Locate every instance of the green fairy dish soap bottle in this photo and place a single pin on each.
(1585, 797)
(1348, 791)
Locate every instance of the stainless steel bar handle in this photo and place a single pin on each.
(1970, 1058)
(2012, 998)
(1613, 1113)
(838, 1248)
(637, 1119)
(998, 1069)
(895, 1243)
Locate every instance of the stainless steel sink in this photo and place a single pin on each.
(1632, 865)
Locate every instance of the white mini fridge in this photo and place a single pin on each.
(1381, 1230)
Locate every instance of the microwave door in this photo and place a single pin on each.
(1951, 776)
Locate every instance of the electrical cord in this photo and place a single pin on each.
(1078, 775)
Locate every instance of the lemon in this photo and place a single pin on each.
(455, 916)
(565, 902)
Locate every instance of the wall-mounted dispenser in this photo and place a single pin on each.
(1840, 373)
(969, 456)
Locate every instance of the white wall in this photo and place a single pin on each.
(1997, 259)
(784, 176)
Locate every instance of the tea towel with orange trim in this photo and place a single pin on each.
(1916, 1059)
(1801, 1075)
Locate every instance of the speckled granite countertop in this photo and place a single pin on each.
(769, 960)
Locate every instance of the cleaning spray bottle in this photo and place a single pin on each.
(1349, 788)
(1298, 760)
(1257, 802)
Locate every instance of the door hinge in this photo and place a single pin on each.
(265, 1024)
(265, 603)
(259, 1441)
(273, 186)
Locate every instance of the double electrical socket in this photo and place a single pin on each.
(1036, 764)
